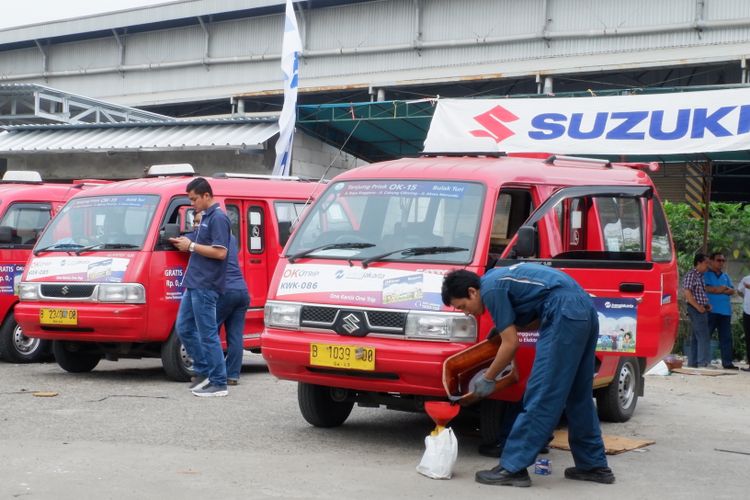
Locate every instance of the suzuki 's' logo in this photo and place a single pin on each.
(350, 323)
(65, 290)
(492, 121)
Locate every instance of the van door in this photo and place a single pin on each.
(598, 235)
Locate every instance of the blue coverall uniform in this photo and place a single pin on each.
(563, 371)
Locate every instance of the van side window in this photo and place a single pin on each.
(621, 226)
(233, 213)
(512, 209)
(661, 247)
(26, 221)
(287, 215)
(256, 240)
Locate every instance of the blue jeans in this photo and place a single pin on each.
(560, 380)
(196, 326)
(230, 310)
(723, 323)
(700, 339)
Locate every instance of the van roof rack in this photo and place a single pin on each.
(166, 169)
(231, 175)
(491, 154)
(596, 161)
(22, 177)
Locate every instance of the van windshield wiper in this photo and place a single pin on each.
(413, 251)
(58, 246)
(101, 246)
(329, 246)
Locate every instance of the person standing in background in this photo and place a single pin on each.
(697, 309)
(719, 290)
(743, 288)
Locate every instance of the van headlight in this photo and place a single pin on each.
(282, 315)
(126, 293)
(28, 291)
(445, 326)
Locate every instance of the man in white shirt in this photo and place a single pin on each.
(743, 287)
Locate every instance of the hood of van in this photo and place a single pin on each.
(74, 268)
(371, 287)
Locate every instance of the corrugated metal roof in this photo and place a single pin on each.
(154, 136)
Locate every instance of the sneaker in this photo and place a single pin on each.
(198, 382)
(211, 391)
(745, 369)
(232, 381)
(598, 475)
(501, 477)
(731, 367)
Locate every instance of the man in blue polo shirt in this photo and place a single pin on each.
(204, 281)
(719, 290)
(563, 370)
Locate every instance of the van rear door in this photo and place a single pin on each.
(600, 235)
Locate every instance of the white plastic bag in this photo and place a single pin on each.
(440, 455)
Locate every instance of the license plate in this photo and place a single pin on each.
(58, 316)
(342, 356)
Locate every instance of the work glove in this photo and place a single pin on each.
(482, 387)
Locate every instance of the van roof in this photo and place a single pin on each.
(230, 188)
(47, 191)
(495, 171)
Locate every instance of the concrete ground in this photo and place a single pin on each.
(124, 431)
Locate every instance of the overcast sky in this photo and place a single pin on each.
(23, 12)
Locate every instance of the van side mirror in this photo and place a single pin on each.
(525, 242)
(168, 231)
(6, 234)
(285, 231)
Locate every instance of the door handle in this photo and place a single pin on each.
(632, 287)
(255, 261)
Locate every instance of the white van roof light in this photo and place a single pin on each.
(230, 175)
(23, 176)
(170, 169)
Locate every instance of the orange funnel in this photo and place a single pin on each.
(441, 412)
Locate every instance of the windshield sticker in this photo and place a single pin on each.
(391, 288)
(112, 201)
(10, 277)
(173, 282)
(617, 324)
(83, 269)
(438, 189)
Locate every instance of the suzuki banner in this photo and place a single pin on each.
(687, 122)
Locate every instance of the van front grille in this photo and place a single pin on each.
(67, 291)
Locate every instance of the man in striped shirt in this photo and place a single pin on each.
(698, 308)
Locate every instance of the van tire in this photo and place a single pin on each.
(175, 360)
(75, 357)
(17, 347)
(617, 401)
(490, 420)
(319, 408)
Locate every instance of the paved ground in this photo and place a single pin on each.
(124, 431)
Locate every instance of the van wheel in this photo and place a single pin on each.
(175, 360)
(490, 420)
(75, 357)
(17, 347)
(323, 406)
(616, 402)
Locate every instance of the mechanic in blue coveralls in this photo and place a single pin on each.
(563, 371)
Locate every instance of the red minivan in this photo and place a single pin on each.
(26, 206)
(104, 281)
(354, 312)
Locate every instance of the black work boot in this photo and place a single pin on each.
(602, 475)
(501, 477)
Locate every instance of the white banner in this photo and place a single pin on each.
(686, 122)
(291, 46)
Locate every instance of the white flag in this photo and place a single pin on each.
(290, 51)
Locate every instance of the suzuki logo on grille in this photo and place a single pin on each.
(65, 290)
(350, 323)
(492, 121)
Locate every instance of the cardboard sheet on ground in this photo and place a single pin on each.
(701, 371)
(613, 445)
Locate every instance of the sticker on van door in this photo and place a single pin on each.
(173, 282)
(10, 277)
(617, 324)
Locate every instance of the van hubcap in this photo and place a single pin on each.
(23, 344)
(626, 386)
